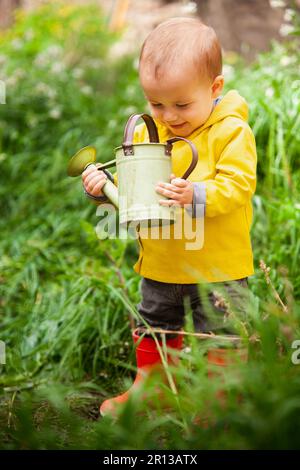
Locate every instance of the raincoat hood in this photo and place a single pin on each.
(232, 104)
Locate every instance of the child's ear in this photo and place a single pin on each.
(217, 86)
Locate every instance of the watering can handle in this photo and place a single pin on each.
(129, 131)
(194, 154)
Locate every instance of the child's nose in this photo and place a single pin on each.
(169, 115)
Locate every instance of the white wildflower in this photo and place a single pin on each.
(228, 71)
(57, 67)
(17, 44)
(29, 35)
(32, 120)
(87, 90)
(41, 60)
(130, 91)
(19, 73)
(46, 90)
(189, 8)
(117, 50)
(11, 81)
(54, 51)
(269, 70)
(286, 60)
(286, 29)
(41, 87)
(103, 374)
(129, 110)
(269, 92)
(112, 124)
(295, 85)
(136, 64)
(277, 3)
(55, 113)
(51, 94)
(187, 350)
(245, 48)
(48, 55)
(289, 15)
(77, 72)
(94, 63)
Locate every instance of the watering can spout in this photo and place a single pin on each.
(87, 156)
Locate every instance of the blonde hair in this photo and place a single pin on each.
(182, 41)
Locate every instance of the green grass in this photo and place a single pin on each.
(66, 297)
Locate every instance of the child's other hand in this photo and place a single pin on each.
(93, 180)
(179, 191)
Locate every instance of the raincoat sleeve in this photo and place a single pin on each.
(235, 180)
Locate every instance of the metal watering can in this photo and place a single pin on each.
(139, 168)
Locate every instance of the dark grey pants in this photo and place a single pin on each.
(164, 305)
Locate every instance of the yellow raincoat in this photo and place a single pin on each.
(227, 169)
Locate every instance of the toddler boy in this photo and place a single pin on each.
(180, 72)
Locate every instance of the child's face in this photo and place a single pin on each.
(180, 101)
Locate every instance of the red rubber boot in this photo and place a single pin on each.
(148, 360)
(224, 358)
(217, 360)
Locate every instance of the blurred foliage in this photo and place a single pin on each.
(65, 296)
(271, 86)
(74, 89)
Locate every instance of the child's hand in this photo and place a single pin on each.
(93, 180)
(179, 191)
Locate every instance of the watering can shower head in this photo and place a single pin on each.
(80, 160)
(85, 157)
